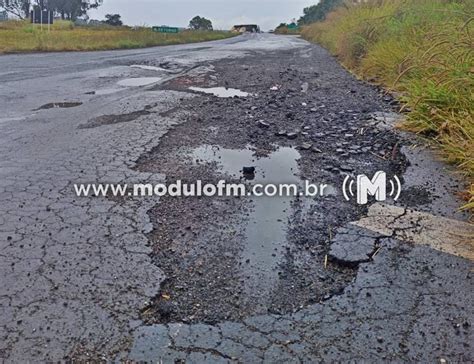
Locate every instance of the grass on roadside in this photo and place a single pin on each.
(20, 36)
(423, 50)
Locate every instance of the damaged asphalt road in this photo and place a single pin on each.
(220, 279)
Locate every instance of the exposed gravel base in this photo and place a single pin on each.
(197, 241)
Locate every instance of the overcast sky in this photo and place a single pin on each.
(223, 13)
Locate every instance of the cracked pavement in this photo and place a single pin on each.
(385, 315)
(76, 272)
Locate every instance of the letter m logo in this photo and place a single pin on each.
(376, 187)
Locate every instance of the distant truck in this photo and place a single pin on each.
(244, 28)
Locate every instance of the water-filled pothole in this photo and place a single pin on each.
(148, 68)
(226, 257)
(264, 236)
(220, 91)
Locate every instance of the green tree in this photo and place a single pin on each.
(319, 11)
(72, 9)
(19, 8)
(113, 19)
(198, 23)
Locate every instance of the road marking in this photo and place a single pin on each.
(440, 233)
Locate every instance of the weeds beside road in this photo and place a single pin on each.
(421, 50)
(20, 36)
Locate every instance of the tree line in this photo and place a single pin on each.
(66, 9)
(72, 9)
(319, 11)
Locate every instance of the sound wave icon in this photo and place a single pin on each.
(346, 188)
(396, 189)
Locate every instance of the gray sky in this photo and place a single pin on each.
(223, 13)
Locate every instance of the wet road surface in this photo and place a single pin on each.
(124, 278)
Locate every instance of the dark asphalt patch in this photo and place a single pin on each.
(415, 196)
(113, 119)
(58, 105)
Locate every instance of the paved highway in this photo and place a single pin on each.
(81, 277)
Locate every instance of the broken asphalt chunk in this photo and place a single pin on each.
(353, 245)
(263, 124)
(305, 146)
(248, 172)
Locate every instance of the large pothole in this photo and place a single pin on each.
(228, 258)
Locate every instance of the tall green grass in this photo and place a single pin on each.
(19, 36)
(423, 51)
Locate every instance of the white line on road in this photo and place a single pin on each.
(446, 235)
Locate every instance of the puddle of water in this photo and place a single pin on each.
(59, 105)
(220, 91)
(265, 233)
(148, 68)
(137, 82)
(107, 91)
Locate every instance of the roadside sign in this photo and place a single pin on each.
(38, 16)
(165, 29)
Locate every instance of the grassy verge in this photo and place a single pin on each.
(423, 50)
(18, 36)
